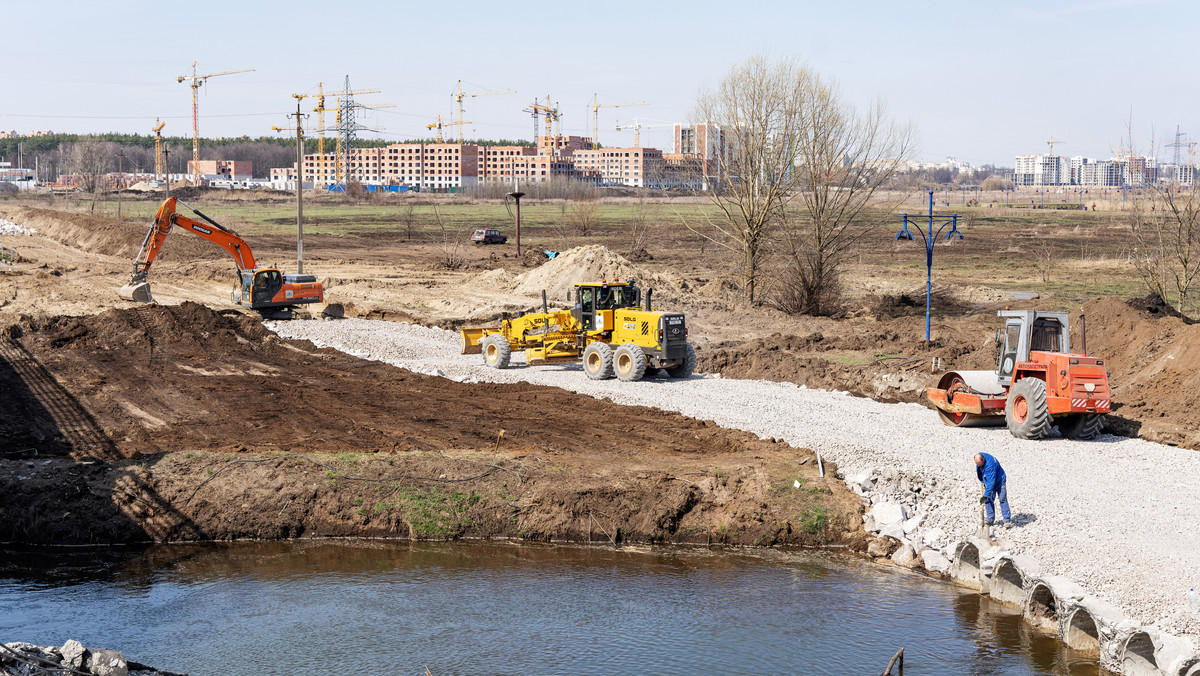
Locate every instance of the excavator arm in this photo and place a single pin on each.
(138, 289)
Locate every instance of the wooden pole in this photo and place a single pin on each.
(898, 656)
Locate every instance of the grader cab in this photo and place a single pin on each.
(607, 328)
(1038, 382)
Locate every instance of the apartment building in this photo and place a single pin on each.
(228, 170)
(1105, 173)
(637, 167)
(560, 145)
(439, 167)
(705, 141)
(1041, 169)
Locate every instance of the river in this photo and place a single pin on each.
(355, 606)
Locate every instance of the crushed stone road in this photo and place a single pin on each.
(1119, 516)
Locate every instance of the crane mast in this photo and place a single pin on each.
(196, 82)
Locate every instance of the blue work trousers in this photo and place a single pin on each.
(1002, 494)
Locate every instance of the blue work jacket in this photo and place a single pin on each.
(991, 475)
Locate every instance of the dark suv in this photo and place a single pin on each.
(488, 236)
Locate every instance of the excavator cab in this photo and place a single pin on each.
(267, 284)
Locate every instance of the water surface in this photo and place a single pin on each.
(466, 608)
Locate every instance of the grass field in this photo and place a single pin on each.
(1067, 256)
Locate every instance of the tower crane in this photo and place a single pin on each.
(196, 82)
(637, 128)
(439, 124)
(158, 156)
(552, 115)
(596, 106)
(320, 111)
(458, 97)
(1051, 143)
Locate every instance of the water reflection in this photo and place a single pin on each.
(386, 607)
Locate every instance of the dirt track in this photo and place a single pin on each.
(401, 454)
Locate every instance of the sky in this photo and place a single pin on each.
(980, 82)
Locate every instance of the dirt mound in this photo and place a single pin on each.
(328, 444)
(585, 264)
(103, 236)
(166, 378)
(1153, 361)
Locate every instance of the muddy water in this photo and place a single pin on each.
(375, 607)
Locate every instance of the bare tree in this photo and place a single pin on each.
(90, 160)
(583, 215)
(638, 231)
(1166, 245)
(842, 159)
(450, 242)
(783, 133)
(408, 217)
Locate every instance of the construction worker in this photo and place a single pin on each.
(991, 475)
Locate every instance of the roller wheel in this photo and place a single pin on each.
(687, 367)
(1080, 425)
(1026, 412)
(954, 419)
(496, 351)
(629, 362)
(598, 361)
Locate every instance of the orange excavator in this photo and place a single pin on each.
(265, 290)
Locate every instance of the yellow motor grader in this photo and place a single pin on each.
(608, 328)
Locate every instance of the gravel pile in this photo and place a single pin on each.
(7, 227)
(1118, 516)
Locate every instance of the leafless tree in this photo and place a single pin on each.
(842, 159)
(450, 241)
(787, 134)
(90, 160)
(583, 216)
(1166, 245)
(638, 231)
(408, 218)
(995, 183)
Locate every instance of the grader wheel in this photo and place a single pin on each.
(629, 362)
(687, 367)
(598, 361)
(496, 351)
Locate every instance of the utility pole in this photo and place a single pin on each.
(299, 185)
(517, 198)
(120, 179)
(167, 175)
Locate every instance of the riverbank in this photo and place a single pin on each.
(1114, 515)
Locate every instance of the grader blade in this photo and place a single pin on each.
(471, 339)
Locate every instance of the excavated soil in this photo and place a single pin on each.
(184, 423)
(1152, 356)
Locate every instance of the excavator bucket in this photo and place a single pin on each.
(470, 340)
(138, 292)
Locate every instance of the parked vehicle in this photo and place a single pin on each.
(488, 236)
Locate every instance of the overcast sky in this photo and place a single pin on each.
(980, 81)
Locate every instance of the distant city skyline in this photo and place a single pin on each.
(981, 84)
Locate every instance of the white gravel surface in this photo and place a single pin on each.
(7, 227)
(1119, 516)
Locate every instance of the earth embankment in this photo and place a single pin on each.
(183, 423)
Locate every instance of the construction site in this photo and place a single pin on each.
(470, 383)
(431, 389)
